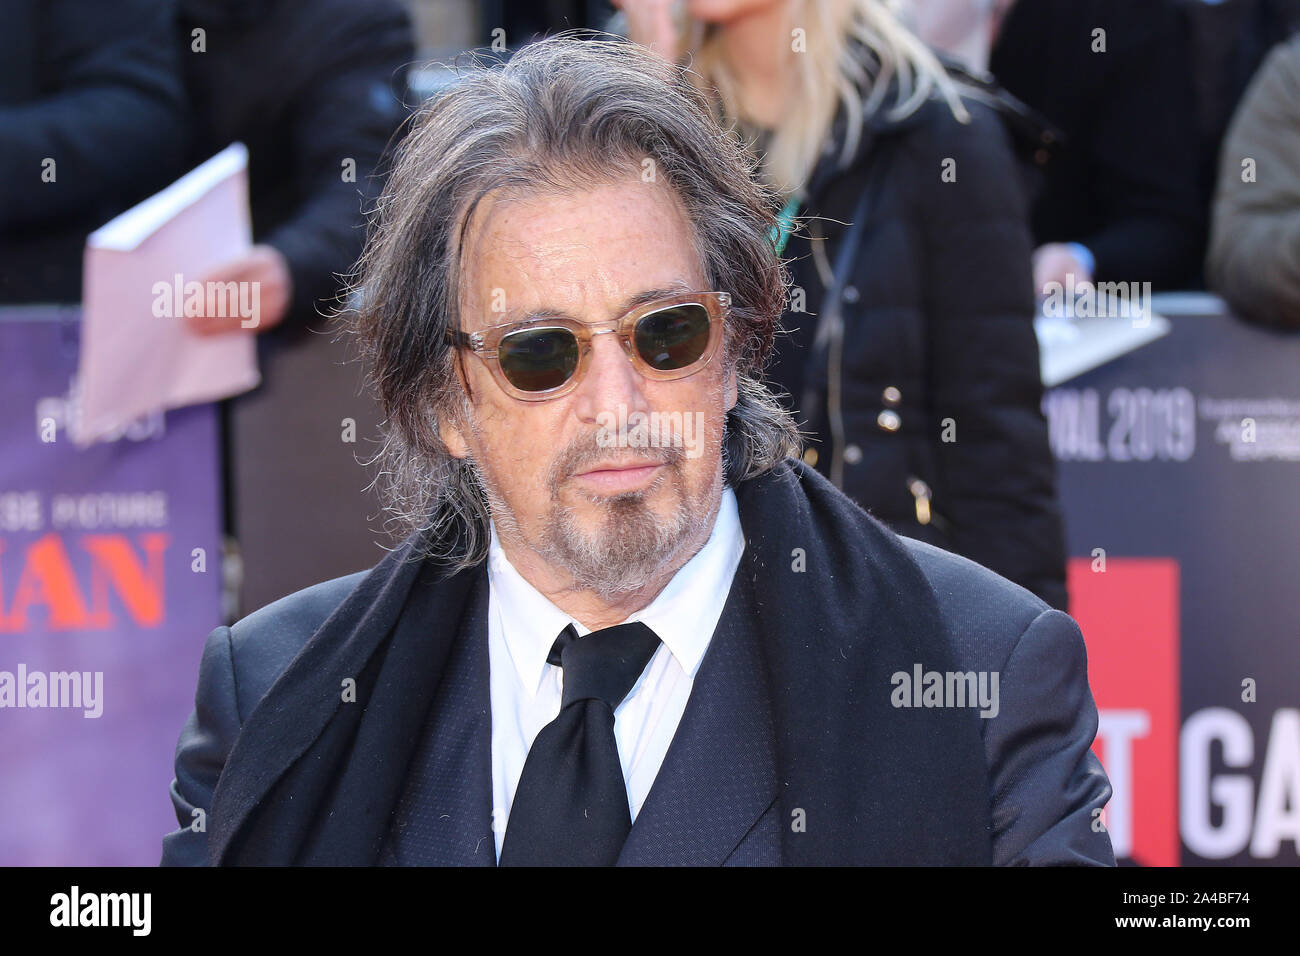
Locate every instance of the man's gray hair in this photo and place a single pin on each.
(561, 114)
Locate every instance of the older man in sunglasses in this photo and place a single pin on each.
(626, 625)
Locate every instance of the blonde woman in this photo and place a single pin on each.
(911, 355)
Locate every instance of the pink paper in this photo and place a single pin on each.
(137, 354)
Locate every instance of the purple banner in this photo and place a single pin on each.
(110, 578)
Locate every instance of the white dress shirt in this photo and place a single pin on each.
(526, 691)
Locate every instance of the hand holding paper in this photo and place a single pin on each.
(148, 274)
(264, 270)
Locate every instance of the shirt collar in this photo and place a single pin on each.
(683, 614)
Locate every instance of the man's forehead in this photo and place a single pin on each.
(584, 254)
(621, 302)
(576, 219)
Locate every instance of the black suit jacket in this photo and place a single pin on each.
(716, 798)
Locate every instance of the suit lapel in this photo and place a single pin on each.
(719, 776)
(297, 714)
(445, 815)
(467, 799)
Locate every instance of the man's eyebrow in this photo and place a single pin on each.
(630, 303)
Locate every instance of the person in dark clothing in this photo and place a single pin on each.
(749, 692)
(936, 383)
(315, 90)
(911, 359)
(91, 121)
(1124, 200)
(1228, 42)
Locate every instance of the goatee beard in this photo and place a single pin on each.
(627, 550)
(631, 544)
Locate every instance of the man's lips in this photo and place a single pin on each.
(620, 476)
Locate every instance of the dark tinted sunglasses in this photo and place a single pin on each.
(539, 359)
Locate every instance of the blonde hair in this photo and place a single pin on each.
(830, 73)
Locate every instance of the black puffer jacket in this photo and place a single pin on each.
(937, 377)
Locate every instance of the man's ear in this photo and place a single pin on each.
(452, 437)
(730, 386)
(449, 428)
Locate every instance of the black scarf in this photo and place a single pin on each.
(313, 780)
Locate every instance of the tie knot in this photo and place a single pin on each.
(605, 664)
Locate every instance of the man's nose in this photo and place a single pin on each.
(611, 381)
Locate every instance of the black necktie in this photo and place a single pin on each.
(570, 808)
